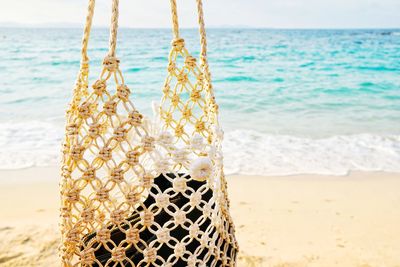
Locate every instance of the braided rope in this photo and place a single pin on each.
(86, 31)
(81, 84)
(175, 24)
(114, 28)
(203, 36)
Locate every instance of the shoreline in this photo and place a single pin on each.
(285, 221)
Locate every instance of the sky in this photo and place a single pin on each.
(218, 13)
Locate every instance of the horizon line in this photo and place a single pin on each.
(71, 25)
(192, 28)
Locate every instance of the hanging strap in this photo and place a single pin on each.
(203, 36)
(175, 24)
(111, 62)
(86, 32)
(82, 80)
(212, 105)
(113, 28)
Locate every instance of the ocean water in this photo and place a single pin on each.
(291, 101)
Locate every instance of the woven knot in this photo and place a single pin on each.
(200, 126)
(87, 256)
(223, 233)
(120, 134)
(65, 212)
(207, 210)
(192, 261)
(103, 235)
(204, 240)
(65, 172)
(148, 143)
(179, 184)
(123, 92)
(118, 254)
(111, 63)
(179, 250)
(135, 118)
(175, 99)
(179, 130)
(179, 217)
(162, 200)
(94, 130)
(102, 194)
(182, 77)
(117, 175)
(72, 129)
(110, 108)
(194, 230)
(195, 199)
(150, 255)
(117, 216)
(200, 80)
(87, 215)
(163, 235)
(132, 157)
(213, 106)
(85, 67)
(195, 95)
(148, 218)
(190, 62)
(105, 153)
(76, 152)
(73, 236)
(178, 44)
(132, 236)
(147, 181)
(166, 88)
(89, 174)
(73, 195)
(99, 87)
(171, 67)
(84, 109)
(132, 197)
(168, 118)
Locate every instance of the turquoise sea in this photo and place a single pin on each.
(292, 101)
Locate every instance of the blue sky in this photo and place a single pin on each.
(227, 13)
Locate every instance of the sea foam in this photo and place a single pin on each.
(28, 144)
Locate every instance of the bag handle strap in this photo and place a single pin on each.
(175, 23)
(111, 62)
(212, 105)
(81, 84)
(86, 31)
(113, 28)
(203, 35)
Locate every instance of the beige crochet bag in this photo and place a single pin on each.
(139, 191)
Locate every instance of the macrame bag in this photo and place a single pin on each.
(138, 191)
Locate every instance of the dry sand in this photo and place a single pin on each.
(297, 221)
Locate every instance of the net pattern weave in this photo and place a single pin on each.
(139, 191)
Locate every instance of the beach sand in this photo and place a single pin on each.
(304, 220)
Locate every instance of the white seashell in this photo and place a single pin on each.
(201, 169)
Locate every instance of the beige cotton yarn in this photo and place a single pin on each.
(141, 191)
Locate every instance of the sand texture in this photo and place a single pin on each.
(291, 221)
